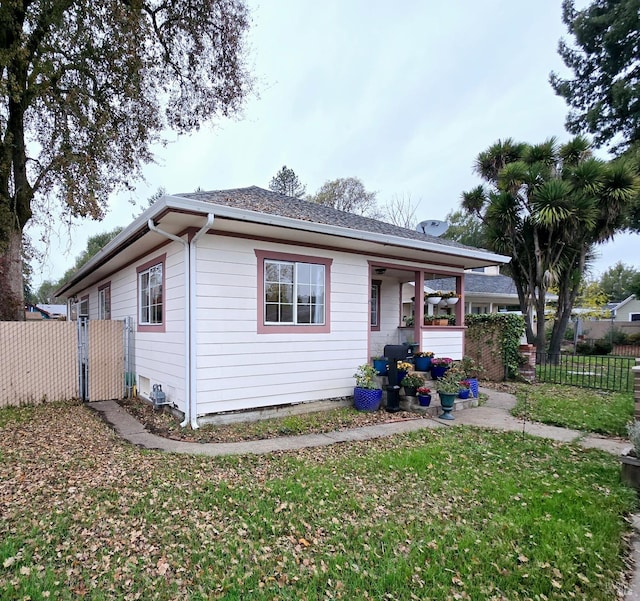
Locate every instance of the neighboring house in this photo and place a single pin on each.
(485, 291)
(41, 311)
(626, 310)
(247, 298)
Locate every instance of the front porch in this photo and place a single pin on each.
(399, 315)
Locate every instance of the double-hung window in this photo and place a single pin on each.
(104, 301)
(375, 305)
(151, 295)
(294, 292)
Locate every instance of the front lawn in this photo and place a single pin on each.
(451, 513)
(578, 408)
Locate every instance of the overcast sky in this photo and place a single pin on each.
(401, 95)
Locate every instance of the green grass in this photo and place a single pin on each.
(578, 408)
(452, 513)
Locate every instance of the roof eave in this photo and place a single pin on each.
(178, 203)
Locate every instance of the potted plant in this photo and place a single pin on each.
(404, 367)
(464, 390)
(411, 382)
(424, 396)
(367, 395)
(433, 298)
(631, 461)
(472, 370)
(439, 366)
(451, 297)
(381, 365)
(422, 360)
(448, 387)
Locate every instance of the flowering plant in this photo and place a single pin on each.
(465, 384)
(424, 390)
(442, 361)
(450, 295)
(423, 354)
(437, 293)
(404, 366)
(412, 380)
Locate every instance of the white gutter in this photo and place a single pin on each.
(190, 413)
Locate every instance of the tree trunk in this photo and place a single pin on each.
(11, 290)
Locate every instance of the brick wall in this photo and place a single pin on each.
(528, 370)
(486, 350)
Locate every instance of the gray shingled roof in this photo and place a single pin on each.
(273, 203)
(478, 283)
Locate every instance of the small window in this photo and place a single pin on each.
(104, 301)
(375, 304)
(151, 295)
(83, 307)
(634, 316)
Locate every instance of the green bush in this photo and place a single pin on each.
(634, 338)
(602, 347)
(619, 337)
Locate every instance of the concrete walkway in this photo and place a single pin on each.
(492, 414)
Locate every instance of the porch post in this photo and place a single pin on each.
(418, 307)
(460, 305)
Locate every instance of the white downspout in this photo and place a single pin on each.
(193, 328)
(190, 413)
(187, 318)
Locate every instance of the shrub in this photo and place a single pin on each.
(634, 338)
(602, 347)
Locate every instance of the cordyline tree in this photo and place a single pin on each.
(86, 88)
(547, 206)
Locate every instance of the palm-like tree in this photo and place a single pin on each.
(547, 206)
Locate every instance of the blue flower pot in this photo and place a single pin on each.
(380, 366)
(367, 399)
(424, 400)
(423, 363)
(464, 393)
(438, 371)
(474, 387)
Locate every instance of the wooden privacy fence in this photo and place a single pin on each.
(39, 361)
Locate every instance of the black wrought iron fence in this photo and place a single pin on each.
(589, 371)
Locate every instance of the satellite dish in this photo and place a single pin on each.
(432, 227)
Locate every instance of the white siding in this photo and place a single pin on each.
(237, 367)
(158, 356)
(389, 317)
(446, 342)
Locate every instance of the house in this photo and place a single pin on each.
(485, 291)
(43, 311)
(247, 298)
(626, 310)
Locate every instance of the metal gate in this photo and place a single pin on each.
(104, 356)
